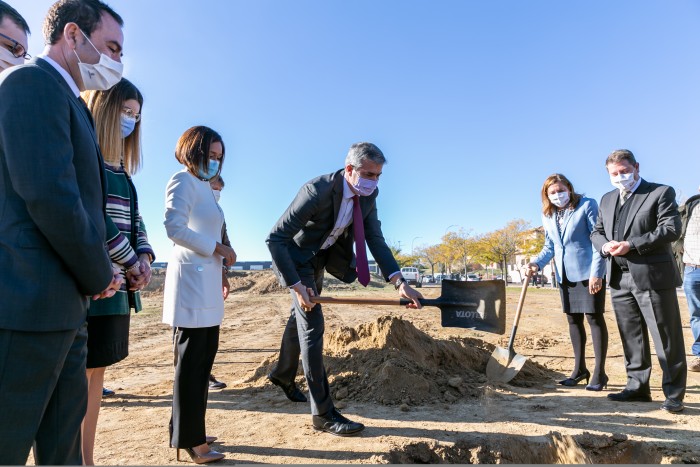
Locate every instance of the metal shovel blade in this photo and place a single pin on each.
(488, 315)
(503, 366)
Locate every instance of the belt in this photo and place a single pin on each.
(692, 265)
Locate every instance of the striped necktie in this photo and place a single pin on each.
(625, 196)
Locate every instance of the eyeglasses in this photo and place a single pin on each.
(130, 113)
(17, 49)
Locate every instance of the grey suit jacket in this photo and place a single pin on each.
(653, 223)
(303, 228)
(52, 195)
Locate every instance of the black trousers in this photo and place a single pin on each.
(656, 312)
(303, 337)
(195, 349)
(43, 396)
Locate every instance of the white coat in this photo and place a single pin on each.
(193, 221)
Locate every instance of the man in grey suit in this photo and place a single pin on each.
(637, 223)
(52, 232)
(316, 234)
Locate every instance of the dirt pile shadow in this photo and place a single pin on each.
(389, 361)
(553, 448)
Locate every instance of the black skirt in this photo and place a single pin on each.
(108, 340)
(575, 297)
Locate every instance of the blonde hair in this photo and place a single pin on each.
(548, 209)
(106, 108)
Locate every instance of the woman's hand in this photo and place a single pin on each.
(225, 286)
(227, 253)
(530, 269)
(594, 285)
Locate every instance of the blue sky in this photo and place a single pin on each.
(474, 103)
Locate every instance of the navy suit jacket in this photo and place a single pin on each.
(52, 203)
(303, 228)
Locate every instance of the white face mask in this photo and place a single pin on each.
(101, 75)
(560, 199)
(8, 60)
(217, 195)
(623, 182)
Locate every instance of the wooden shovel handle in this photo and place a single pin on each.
(359, 301)
(387, 301)
(518, 311)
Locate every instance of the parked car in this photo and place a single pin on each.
(428, 279)
(473, 277)
(412, 276)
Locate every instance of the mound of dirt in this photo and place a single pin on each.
(390, 361)
(553, 448)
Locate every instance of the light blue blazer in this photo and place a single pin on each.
(573, 252)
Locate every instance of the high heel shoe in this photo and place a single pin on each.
(211, 456)
(577, 379)
(600, 386)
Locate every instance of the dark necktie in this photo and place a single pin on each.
(362, 266)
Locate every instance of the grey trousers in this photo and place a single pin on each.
(656, 312)
(43, 396)
(303, 337)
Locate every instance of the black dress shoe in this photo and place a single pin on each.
(334, 423)
(290, 389)
(628, 395)
(673, 405)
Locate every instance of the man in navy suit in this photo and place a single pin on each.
(52, 231)
(637, 223)
(316, 234)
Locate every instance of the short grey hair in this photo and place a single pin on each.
(360, 152)
(620, 155)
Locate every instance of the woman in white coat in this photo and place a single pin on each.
(568, 219)
(194, 297)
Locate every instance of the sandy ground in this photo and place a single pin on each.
(255, 423)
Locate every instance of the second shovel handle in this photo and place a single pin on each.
(518, 311)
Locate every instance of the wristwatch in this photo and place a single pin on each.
(400, 281)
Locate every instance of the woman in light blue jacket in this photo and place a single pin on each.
(568, 219)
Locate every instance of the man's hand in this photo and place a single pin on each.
(227, 253)
(303, 293)
(405, 291)
(594, 285)
(113, 286)
(619, 248)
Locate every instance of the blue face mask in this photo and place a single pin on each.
(211, 173)
(128, 125)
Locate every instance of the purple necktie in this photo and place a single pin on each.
(362, 267)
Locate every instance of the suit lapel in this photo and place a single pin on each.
(568, 214)
(84, 112)
(609, 203)
(337, 195)
(636, 201)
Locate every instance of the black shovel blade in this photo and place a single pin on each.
(488, 305)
